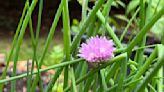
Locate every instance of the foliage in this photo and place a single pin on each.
(121, 73)
(152, 7)
(55, 56)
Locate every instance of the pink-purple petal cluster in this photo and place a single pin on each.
(97, 49)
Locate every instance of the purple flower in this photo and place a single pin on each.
(97, 49)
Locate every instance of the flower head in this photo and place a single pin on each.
(97, 49)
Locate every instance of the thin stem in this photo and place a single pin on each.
(73, 80)
(105, 13)
(41, 70)
(81, 72)
(67, 39)
(49, 38)
(102, 73)
(144, 30)
(20, 38)
(84, 10)
(93, 71)
(109, 29)
(152, 72)
(100, 82)
(125, 85)
(87, 84)
(85, 24)
(28, 78)
(129, 23)
(122, 75)
(53, 79)
(140, 53)
(13, 45)
(145, 66)
(37, 36)
(34, 54)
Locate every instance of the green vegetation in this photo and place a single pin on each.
(122, 73)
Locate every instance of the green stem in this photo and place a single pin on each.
(49, 38)
(34, 54)
(85, 24)
(145, 67)
(111, 71)
(144, 30)
(41, 70)
(128, 25)
(67, 39)
(53, 79)
(105, 13)
(73, 80)
(20, 38)
(81, 72)
(122, 75)
(153, 71)
(102, 73)
(109, 29)
(13, 45)
(125, 84)
(87, 84)
(37, 35)
(100, 82)
(95, 70)
(160, 81)
(140, 53)
(84, 10)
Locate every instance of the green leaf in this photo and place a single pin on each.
(132, 5)
(122, 17)
(158, 27)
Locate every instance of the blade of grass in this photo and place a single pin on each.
(13, 45)
(76, 39)
(111, 71)
(34, 54)
(105, 13)
(162, 39)
(41, 70)
(125, 85)
(152, 88)
(122, 75)
(37, 35)
(160, 80)
(144, 30)
(54, 79)
(109, 29)
(73, 80)
(100, 83)
(67, 41)
(94, 86)
(93, 71)
(142, 14)
(145, 67)
(128, 25)
(156, 67)
(28, 78)
(20, 38)
(39, 21)
(140, 53)
(82, 71)
(87, 84)
(104, 86)
(49, 38)
(84, 10)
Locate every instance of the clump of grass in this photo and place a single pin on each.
(120, 73)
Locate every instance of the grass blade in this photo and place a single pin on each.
(20, 38)
(144, 30)
(156, 67)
